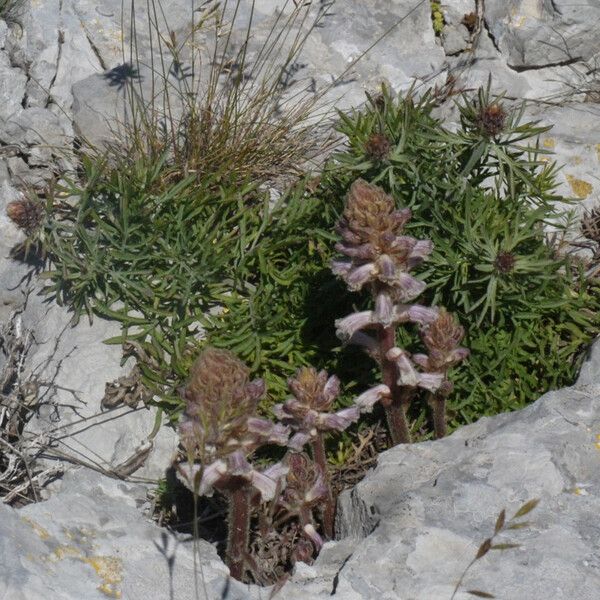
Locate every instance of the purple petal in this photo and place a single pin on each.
(256, 389)
(459, 354)
(260, 426)
(431, 381)
(340, 267)
(210, 475)
(408, 288)
(407, 374)
(421, 359)
(271, 432)
(266, 485)
(299, 440)
(339, 420)
(404, 244)
(319, 489)
(362, 339)
(387, 268)
(238, 463)
(401, 217)
(331, 389)
(348, 326)
(358, 276)
(384, 309)
(314, 537)
(349, 236)
(422, 315)
(277, 472)
(279, 411)
(279, 434)
(421, 250)
(363, 252)
(367, 399)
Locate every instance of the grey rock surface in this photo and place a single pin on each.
(91, 542)
(416, 521)
(12, 86)
(455, 39)
(575, 141)
(71, 366)
(540, 34)
(408, 52)
(52, 48)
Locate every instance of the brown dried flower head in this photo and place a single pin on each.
(371, 230)
(469, 20)
(491, 119)
(221, 404)
(378, 147)
(25, 213)
(442, 338)
(307, 412)
(505, 262)
(314, 389)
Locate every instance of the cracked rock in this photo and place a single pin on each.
(540, 34)
(438, 501)
(455, 39)
(91, 542)
(12, 87)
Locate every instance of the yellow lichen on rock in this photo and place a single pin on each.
(549, 143)
(582, 189)
(41, 532)
(110, 570)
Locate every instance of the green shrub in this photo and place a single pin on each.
(181, 260)
(483, 194)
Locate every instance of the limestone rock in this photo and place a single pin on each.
(12, 87)
(534, 34)
(71, 366)
(90, 542)
(575, 142)
(455, 39)
(54, 51)
(419, 517)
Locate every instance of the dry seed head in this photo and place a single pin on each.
(378, 147)
(504, 262)
(469, 20)
(25, 213)
(491, 119)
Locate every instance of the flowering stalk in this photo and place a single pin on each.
(307, 413)
(442, 339)
(379, 256)
(219, 430)
(397, 404)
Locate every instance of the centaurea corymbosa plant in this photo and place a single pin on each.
(307, 413)
(379, 255)
(218, 431)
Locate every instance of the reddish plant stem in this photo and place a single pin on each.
(320, 458)
(239, 527)
(437, 402)
(395, 411)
